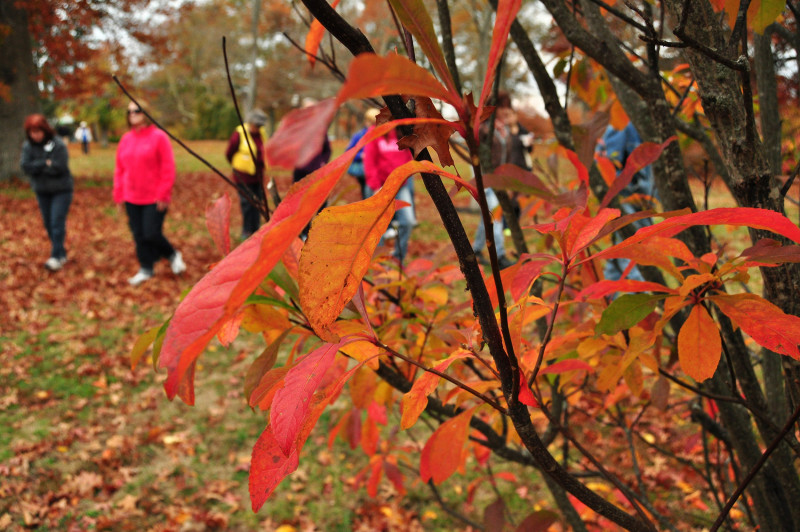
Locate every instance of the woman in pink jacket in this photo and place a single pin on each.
(381, 157)
(143, 179)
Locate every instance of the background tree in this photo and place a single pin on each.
(17, 86)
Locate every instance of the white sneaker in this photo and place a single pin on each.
(390, 233)
(53, 264)
(177, 264)
(140, 277)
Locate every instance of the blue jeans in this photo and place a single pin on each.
(479, 241)
(404, 219)
(147, 223)
(54, 208)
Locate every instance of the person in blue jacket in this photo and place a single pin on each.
(46, 161)
(617, 145)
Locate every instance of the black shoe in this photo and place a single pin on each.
(481, 258)
(504, 262)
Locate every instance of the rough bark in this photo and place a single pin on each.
(18, 74)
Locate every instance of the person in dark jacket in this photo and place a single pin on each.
(248, 174)
(46, 161)
(318, 161)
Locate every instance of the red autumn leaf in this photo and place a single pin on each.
(586, 233)
(583, 173)
(494, 515)
(444, 450)
(417, 21)
(395, 476)
(218, 221)
(512, 177)
(506, 13)
(526, 396)
(538, 521)
(699, 345)
(261, 365)
(644, 154)
(300, 134)
(268, 467)
(374, 75)
(223, 291)
(314, 37)
(526, 273)
(606, 287)
(764, 322)
(266, 388)
(293, 401)
(769, 251)
(562, 366)
(416, 399)
(736, 216)
(435, 135)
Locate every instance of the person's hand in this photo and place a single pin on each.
(161, 206)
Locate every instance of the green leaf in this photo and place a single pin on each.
(281, 277)
(626, 311)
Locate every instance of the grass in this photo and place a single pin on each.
(78, 425)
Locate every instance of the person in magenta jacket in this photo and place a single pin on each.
(381, 157)
(143, 179)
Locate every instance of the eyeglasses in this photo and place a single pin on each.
(135, 111)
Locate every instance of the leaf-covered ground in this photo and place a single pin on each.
(87, 443)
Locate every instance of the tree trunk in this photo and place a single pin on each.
(17, 76)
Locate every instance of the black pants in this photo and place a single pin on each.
(251, 217)
(146, 223)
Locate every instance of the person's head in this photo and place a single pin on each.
(83, 123)
(370, 115)
(256, 119)
(504, 109)
(37, 130)
(135, 115)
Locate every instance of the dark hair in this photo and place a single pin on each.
(38, 121)
(503, 99)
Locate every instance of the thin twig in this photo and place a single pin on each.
(488, 400)
(788, 427)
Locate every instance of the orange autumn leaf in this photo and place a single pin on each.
(444, 450)
(699, 345)
(373, 75)
(415, 401)
(314, 38)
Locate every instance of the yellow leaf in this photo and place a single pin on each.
(699, 345)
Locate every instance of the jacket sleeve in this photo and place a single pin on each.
(167, 170)
(59, 160)
(233, 146)
(119, 173)
(30, 163)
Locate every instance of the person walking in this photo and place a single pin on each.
(316, 162)
(143, 178)
(500, 154)
(46, 161)
(381, 157)
(248, 174)
(84, 135)
(617, 145)
(356, 168)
